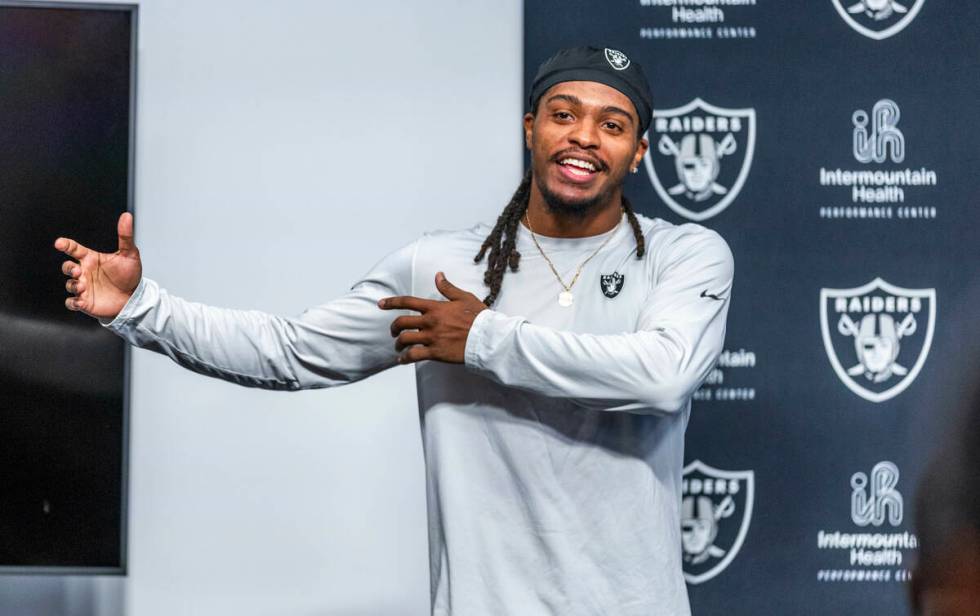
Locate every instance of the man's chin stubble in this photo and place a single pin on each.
(563, 207)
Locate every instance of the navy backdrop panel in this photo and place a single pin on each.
(833, 143)
(65, 155)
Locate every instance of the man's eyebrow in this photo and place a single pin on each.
(568, 98)
(611, 109)
(574, 100)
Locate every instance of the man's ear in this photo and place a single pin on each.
(528, 129)
(641, 150)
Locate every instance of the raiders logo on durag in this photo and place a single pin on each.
(611, 284)
(617, 59)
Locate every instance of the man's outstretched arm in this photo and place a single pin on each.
(338, 342)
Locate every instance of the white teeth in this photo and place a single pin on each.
(579, 163)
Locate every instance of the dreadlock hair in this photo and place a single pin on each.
(500, 247)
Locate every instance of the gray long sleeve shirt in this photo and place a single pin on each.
(554, 454)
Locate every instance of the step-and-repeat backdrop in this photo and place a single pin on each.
(834, 144)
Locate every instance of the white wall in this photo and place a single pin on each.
(283, 148)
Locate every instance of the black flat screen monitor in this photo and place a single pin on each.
(67, 92)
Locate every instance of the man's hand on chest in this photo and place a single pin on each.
(440, 329)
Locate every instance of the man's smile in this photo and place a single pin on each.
(577, 168)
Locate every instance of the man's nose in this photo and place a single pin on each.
(585, 134)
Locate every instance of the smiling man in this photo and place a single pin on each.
(553, 409)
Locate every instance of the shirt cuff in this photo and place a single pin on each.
(490, 330)
(132, 307)
(474, 339)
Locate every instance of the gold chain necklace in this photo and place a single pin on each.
(565, 298)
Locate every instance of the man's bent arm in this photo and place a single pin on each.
(654, 370)
(339, 342)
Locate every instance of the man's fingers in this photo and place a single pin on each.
(407, 302)
(406, 322)
(71, 268)
(71, 303)
(448, 289)
(407, 339)
(125, 230)
(70, 247)
(414, 354)
(74, 286)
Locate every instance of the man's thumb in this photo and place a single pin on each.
(448, 289)
(125, 230)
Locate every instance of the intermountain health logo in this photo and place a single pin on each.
(876, 499)
(885, 186)
(876, 547)
(878, 19)
(715, 513)
(699, 156)
(733, 378)
(877, 336)
(687, 20)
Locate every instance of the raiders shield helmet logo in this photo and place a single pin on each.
(617, 59)
(877, 336)
(611, 284)
(715, 513)
(878, 19)
(699, 156)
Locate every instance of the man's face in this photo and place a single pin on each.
(583, 142)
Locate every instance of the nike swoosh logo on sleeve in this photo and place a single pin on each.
(712, 296)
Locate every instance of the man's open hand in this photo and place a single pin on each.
(101, 283)
(440, 331)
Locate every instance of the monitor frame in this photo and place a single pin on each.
(121, 570)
